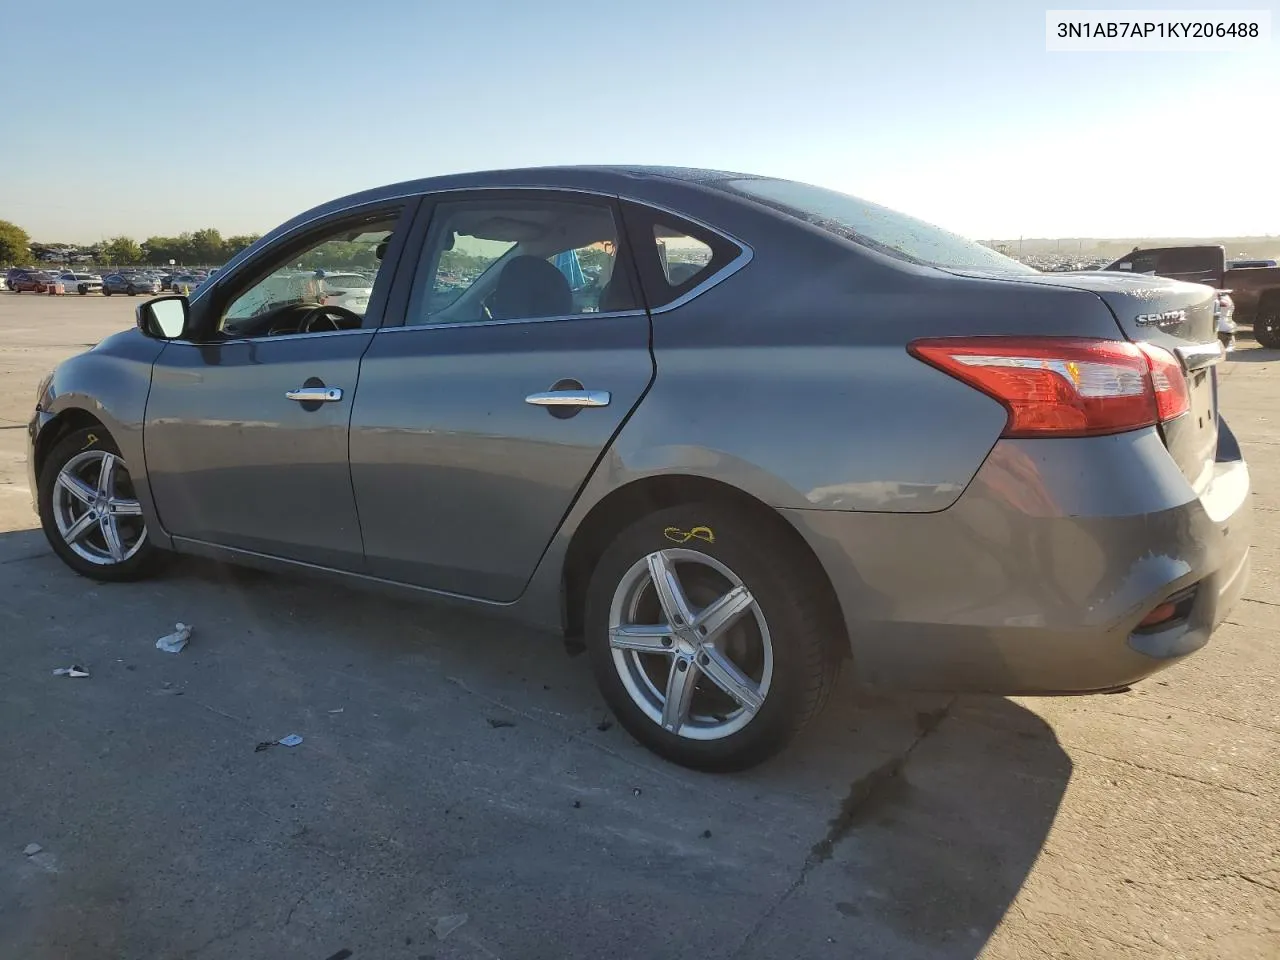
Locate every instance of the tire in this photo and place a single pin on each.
(106, 291)
(131, 291)
(82, 289)
(83, 451)
(787, 636)
(1266, 323)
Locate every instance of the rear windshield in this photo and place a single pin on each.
(877, 227)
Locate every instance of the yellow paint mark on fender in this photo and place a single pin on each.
(93, 438)
(676, 535)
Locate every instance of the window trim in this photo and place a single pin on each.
(643, 230)
(432, 202)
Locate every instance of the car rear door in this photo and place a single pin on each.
(477, 422)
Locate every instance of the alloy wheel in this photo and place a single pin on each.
(96, 509)
(690, 644)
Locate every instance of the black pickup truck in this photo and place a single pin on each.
(1255, 291)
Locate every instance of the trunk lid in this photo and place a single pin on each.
(1181, 318)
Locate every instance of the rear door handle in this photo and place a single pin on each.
(315, 394)
(569, 398)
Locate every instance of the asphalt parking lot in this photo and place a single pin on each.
(460, 793)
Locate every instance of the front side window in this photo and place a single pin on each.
(522, 259)
(297, 284)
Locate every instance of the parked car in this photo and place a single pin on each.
(185, 282)
(81, 283)
(16, 278)
(32, 281)
(1224, 315)
(1255, 291)
(847, 437)
(348, 290)
(130, 283)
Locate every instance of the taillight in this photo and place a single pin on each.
(1065, 387)
(1173, 397)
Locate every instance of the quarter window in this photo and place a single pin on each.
(681, 256)
(520, 260)
(674, 256)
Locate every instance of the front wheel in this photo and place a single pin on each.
(711, 635)
(82, 289)
(106, 291)
(1266, 325)
(131, 292)
(89, 509)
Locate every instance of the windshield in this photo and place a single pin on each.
(877, 227)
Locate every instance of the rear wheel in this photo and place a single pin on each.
(106, 291)
(710, 636)
(131, 291)
(89, 509)
(82, 289)
(1266, 323)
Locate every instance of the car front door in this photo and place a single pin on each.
(524, 349)
(246, 424)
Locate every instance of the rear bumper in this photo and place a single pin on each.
(1035, 580)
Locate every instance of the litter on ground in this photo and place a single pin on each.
(174, 642)
(75, 670)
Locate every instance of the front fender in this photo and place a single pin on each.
(110, 383)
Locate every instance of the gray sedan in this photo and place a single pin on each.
(727, 433)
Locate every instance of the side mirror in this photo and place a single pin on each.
(164, 318)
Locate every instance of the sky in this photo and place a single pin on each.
(146, 118)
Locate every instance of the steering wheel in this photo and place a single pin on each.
(326, 317)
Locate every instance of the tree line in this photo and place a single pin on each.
(204, 247)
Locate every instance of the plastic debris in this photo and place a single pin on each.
(292, 740)
(75, 670)
(31, 849)
(174, 642)
(635, 792)
(443, 926)
(339, 710)
(497, 724)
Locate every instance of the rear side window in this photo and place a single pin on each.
(675, 257)
(522, 258)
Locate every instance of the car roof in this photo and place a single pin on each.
(611, 180)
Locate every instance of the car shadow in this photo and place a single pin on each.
(905, 823)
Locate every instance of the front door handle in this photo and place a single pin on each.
(315, 394)
(569, 398)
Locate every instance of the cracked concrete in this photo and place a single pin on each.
(1129, 826)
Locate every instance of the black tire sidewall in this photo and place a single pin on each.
(754, 556)
(137, 566)
(1268, 316)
